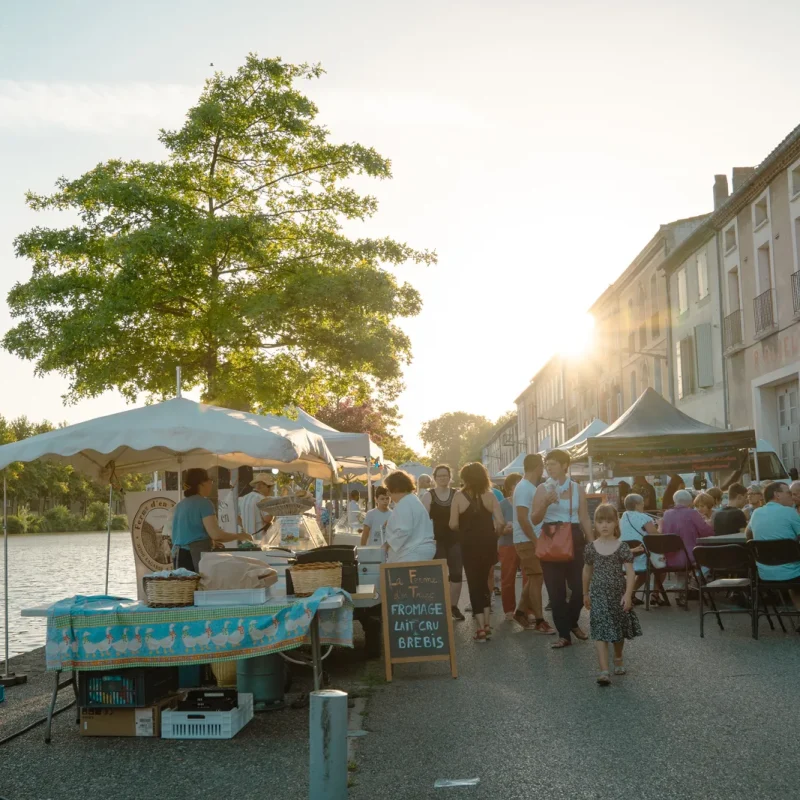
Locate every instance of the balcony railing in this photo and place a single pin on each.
(762, 307)
(733, 329)
(796, 291)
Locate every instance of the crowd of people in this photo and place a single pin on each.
(541, 529)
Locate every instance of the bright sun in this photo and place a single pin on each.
(578, 336)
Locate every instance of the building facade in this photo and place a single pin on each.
(758, 232)
(541, 408)
(504, 446)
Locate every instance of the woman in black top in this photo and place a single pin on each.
(438, 501)
(475, 513)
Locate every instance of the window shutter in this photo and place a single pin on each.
(687, 366)
(704, 358)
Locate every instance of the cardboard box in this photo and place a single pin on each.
(126, 721)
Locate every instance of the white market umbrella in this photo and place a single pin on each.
(514, 466)
(176, 434)
(415, 469)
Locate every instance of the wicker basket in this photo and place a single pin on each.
(224, 672)
(170, 592)
(307, 578)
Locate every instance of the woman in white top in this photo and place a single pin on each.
(409, 531)
(560, 499)
(376, 519)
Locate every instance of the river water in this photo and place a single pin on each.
(46, 567)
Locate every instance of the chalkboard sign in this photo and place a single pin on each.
(417, 624)
(592, 501)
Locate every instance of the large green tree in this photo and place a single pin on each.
(227, 258)
(456, 438)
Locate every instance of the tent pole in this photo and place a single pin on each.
(369, 484)
(108, 537)
(755, 461)
(5, 566)
(591, 474)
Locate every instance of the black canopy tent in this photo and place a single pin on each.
(653, 436)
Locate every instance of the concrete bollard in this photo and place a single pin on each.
(328, 745)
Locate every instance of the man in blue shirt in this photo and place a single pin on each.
(778, 519)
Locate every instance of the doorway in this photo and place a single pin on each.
(786, 396)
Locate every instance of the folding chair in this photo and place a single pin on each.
(775, 553)
(727, 558)
(663, 544)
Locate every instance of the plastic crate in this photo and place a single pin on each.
(207, 724)
(231, 597)
(135, 687)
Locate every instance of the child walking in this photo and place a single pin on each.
(608, 591)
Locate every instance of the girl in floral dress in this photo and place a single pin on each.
(608, 580)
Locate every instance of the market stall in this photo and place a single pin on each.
(653, 436)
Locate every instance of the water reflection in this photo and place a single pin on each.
(47, 567)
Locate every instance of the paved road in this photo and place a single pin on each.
(711, 718)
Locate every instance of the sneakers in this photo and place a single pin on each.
(521, 618)
(542, 626)
(457, 615)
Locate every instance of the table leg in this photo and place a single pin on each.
(77, 701)
(52, 707)
(316, 652)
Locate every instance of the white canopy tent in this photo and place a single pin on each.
(176, 434)
(513, 466)
(415, 469)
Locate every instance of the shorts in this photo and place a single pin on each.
(528, 559)
(455, 563)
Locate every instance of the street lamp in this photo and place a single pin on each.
(275, 472)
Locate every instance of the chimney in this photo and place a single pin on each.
(720, 190)
(741, 175)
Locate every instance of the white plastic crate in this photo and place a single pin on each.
(232, 597)
(207, 724)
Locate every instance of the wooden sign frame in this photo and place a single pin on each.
(387, 652)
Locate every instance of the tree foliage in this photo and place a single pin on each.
(377, 418)
(227, 258)
(456, 438)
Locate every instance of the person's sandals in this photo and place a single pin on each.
(541, 626)
(619, 669)
(682, 599)
(522, 620)
(488, 630)
(557, 645)
(457, 615)
(603, 678)
(637, 601)
(480, 635)
(579, 634)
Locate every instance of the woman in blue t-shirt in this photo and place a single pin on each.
(194, 522)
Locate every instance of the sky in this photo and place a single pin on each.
(536, 146)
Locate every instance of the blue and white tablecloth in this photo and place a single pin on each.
(98, 632)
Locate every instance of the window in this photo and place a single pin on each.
(730, 238)
(657, 376)
(645, 376)
(655, 322)
(702, 275)
(797, 244)
(764, 271)
(642, 317)
(634, 393)
(760, 212)
(795, 180)
(683, 294)
(734, 298)
(678, 370)
(619, 402)
(631, 328)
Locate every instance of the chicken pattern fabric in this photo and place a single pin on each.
(100, 632)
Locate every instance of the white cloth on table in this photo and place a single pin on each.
(409, 532)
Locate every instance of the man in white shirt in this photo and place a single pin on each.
(530, 603)
(251, 519)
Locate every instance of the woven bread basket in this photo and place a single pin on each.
(171, 591)
(224, 672)
(307, 578)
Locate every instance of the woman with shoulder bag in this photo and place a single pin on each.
(634, 524)
(559, 506)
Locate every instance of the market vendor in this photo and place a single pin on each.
(252, 519)
(194, 522)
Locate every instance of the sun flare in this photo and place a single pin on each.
(578, 336)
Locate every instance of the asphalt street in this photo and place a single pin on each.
(711, 718)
